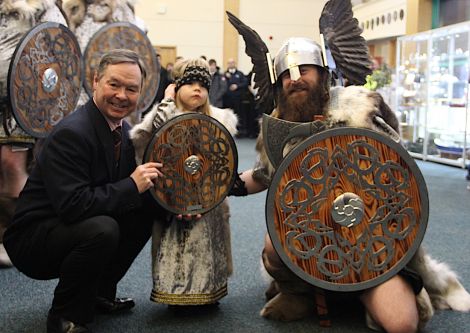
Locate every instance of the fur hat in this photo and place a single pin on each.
(194, 74)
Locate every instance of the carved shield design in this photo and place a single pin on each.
(44, 78)
(199, 159)
(347, 209)
(123, 35)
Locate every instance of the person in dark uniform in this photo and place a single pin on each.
(83, 216)
(237, 85)
(165, 80)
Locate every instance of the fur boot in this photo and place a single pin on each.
(295, 298)
(441, 283)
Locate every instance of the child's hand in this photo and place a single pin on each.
(189, 217)
(170, 91)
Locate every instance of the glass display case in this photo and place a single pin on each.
(432, 93)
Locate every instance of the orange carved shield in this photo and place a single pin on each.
(199, 159)
(347, 209)
(44, 78)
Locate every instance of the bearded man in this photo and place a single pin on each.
(400, 304)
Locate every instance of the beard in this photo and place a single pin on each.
(302, 107)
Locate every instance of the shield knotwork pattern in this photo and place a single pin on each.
(347, 209)
(44, 78)
(199, 159)
(123, 35)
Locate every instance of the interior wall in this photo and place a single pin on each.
(277, 20)
(196, 28)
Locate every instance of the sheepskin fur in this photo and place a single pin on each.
(26, 9)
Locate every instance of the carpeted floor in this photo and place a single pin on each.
(24, 302)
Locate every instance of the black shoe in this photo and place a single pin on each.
(57, 324)
(107, 306)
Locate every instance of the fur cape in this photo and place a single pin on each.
(356, 106)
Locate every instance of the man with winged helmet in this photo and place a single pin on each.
(299, 84)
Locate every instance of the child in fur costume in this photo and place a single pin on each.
(191, 257)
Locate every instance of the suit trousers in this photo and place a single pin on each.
(89, 258)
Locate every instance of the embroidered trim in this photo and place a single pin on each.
(194, 74)
(188, 299)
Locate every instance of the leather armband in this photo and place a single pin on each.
(238, 189)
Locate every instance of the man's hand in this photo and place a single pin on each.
(233, 87)
(145, 174)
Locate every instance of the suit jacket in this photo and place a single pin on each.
(75, 176)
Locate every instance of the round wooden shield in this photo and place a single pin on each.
(199, 159)
(347, 209)
(44, 78)
(123, 35)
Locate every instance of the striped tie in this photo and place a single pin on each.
(117, 134)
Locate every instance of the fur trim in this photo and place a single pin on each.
(26, 9)
(352, 106)
(75, 11)
(103, 10)
(425, 309)
(357, 106)
(441, 283)
(227, 117)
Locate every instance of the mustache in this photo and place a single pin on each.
(297, 87)
(302, 108)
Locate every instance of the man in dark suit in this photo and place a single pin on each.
(83, 215)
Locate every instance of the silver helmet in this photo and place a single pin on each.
(297, 51)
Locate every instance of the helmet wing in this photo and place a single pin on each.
(343, 38)
(257, 50)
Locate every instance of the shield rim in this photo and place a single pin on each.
(172, 122)
(14, 61)
(423, 221)
(86, 84)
